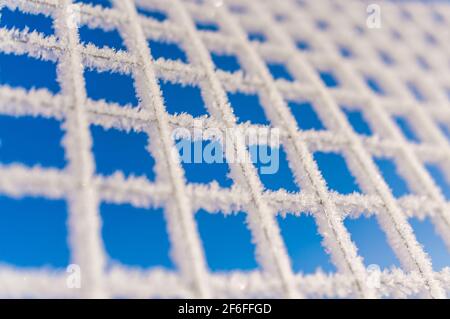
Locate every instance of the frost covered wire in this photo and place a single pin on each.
(283, 22)
(391, 219)
(182, 228)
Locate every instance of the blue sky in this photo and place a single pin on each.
(33, 231)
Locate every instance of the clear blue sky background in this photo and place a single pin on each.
(33, 231)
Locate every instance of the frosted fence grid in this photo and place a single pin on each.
(284, 22)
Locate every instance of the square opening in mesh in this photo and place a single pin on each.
(437, 17)
(31, 141)
(226, 62)
(110, 87)
(306, 116)
(423, 63)
(374, 85)
(303, 243)
(20, 20)
(101, 38)
(33, 232)
(336, 173)
(154, 14)
(273, 168)
(280, 17)
(227, 241)
(247, 107)
(345, 51)
(445, 129)
(207, 26)
(386, 57)
(279, 71)
(329, 78)
(395, 181)
(183, 99)
(257, 36)
(203, 162)
(359, 29)
(127, 152)
(439, 178)
(167, 51)
(432, 243)
(28, 73)
(322, 25)
(371, 242)
(135, 236)
(357, 121)
(303, 45)
(103, 3)
(407, 129)
(416, 91)
(396, 35)
(237, 8)
(430, 39)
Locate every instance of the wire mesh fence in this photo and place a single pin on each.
(397, 67)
